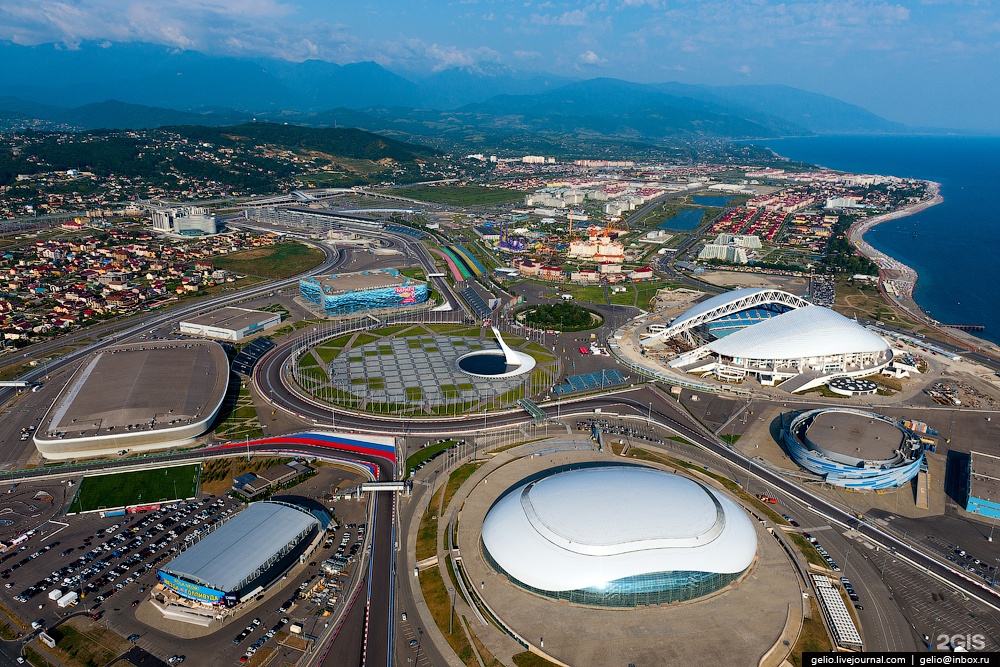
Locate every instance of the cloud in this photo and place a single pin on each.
(576, 17)
(444, 57)
(591, 58)
(526, 55)
(744, 70)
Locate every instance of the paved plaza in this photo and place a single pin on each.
(420, 369)
(736, 626)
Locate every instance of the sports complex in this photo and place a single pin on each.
(555, 537)
(560, 539)
(346, 293)
(854, 449)
(774, 337)
(137, 397)
(244, 555)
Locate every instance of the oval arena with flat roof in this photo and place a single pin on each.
(139, 397)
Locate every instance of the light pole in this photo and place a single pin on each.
(994, 525)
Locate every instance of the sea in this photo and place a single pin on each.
(954, 246)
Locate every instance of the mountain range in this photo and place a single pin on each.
(135, 85)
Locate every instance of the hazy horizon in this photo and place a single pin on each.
(925, 64)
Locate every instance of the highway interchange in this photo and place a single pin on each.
(366, 634)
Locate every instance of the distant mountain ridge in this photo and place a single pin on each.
(134, 85)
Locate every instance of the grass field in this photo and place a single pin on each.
(470, 195)
(136, 488)
(279, 261)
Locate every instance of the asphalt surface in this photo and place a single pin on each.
(366, 635)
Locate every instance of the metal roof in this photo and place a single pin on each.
(805, 332)
(237, 549)
(586, 527)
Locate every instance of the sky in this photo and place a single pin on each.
(931, 63)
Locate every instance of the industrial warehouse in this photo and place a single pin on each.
(775, 337)
(230, 323)
(345, 293)
(239, 559)
(557, 538)
(137, 397)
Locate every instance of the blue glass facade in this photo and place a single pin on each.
(640, 590)
(408, 293)
(860, 477)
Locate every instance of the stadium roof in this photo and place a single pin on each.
(725, 304)
(141, 387)
(557, 534)
(805, 332)
(715, 302)
(226, 557)
(340, 283)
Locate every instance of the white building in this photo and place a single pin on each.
(748, 241)
(729, 253)
(648, 537)
(184, 221)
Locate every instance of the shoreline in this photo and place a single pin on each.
(901, 278)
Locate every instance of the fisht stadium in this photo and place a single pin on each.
(618, 536)
(775, 337)
(244, 555)
(854, 449)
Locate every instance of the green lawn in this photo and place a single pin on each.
(135, 488)
(279, 261)
(425, 454)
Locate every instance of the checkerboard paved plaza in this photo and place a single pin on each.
(418, 369)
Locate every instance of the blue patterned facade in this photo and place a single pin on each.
(409, 293)
(868, 476)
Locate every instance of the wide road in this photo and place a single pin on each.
(643, 402)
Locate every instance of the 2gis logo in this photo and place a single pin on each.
(967, 642)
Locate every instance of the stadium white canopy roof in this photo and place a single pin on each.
(805, 332)
(241, 546)
(724, 304)
(588, 527)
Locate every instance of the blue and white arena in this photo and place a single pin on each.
(854, 449)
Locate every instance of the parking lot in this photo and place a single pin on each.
(105, 567)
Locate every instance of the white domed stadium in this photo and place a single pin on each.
(618, 536)
(775, 337)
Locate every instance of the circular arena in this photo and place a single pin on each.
(774, 337)
(139, 397)
(751, 616)
(854, 449)
(665, 539)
